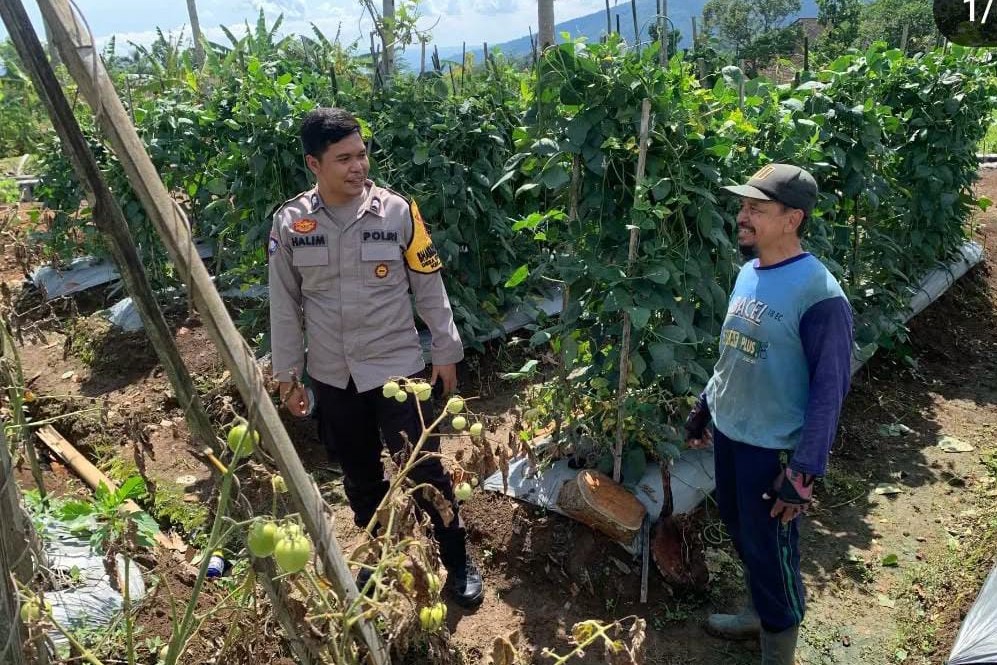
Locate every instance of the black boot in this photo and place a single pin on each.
(463, 578)
(465, 584)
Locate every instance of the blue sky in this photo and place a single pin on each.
(452, 21)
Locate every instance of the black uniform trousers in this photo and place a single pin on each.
(352, 424)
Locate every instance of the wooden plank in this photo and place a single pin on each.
(82, 58)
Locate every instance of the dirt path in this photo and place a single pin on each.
(544, 573)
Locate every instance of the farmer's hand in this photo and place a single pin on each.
(294, 396)
(447, 374)
(697, 431)
(793, 492)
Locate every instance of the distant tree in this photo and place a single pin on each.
(884, 20)
(840, 19)
(752, 29)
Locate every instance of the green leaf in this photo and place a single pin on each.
(420, 156)
(891, 561)
(132, 488)
(639, 316)
(539, 338)
(521, 273)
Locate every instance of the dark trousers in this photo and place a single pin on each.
(769, 549)
(353, 424)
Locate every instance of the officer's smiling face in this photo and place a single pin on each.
(342, 169)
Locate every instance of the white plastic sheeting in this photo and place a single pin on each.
(86, 272)
(976, 643)
(89, 599)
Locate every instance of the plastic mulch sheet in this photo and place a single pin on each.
(976, 643)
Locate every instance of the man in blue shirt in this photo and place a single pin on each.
(774, 399)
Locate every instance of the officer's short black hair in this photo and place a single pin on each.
(324, 126)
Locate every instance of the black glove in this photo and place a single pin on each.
(699, 418)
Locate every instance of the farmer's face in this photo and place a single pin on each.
(342, 169)
(763, 225)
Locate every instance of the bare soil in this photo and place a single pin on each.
(544, 572)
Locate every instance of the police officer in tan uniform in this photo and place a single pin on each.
(344, 258)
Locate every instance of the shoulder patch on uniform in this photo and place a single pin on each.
(421, 255)
(273, 245)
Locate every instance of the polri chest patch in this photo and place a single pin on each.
(381, 271)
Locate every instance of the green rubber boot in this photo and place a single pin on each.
(779, 648)
(744, 625)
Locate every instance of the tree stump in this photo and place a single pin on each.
(595, 500)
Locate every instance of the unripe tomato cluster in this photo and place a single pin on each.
(431, 617)
(290, 547)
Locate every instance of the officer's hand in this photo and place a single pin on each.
(448, 373)
(295, 398)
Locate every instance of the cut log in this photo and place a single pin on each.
(594, 499)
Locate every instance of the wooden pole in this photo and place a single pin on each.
(109, 218)
(806, 53)
(695, 35)
(81, 56)
(633, 12)
(545, 23)
(195, 28)
(740, 85)
(618, 31)
(621, 393)
(422, 58)
(664, 36)
(15, 546)
(903, 38)
(609, 20)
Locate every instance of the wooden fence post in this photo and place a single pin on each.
(81, 55)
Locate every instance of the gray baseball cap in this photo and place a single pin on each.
(785, 183)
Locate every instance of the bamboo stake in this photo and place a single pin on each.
(664, 36)
(633, 11)
(80, 54)
(645, 121)
(695, 34)
(806, 54)
(609, 20)
(109, 218)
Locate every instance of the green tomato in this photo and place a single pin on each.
(458, 423)
(390, 389)
(463, 491)
(240, 438)
(407, 580)
(426, 618)
(292, 553)
(477, 430)
(423, 391)
(278, 484)
(262, 538)
(438, 613)
(31, 610)
(433, 582)
(290, 529)
(455, 405)
(401, 396)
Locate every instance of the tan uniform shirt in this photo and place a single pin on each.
(345, 284)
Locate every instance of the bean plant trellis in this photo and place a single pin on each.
(526, 175)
